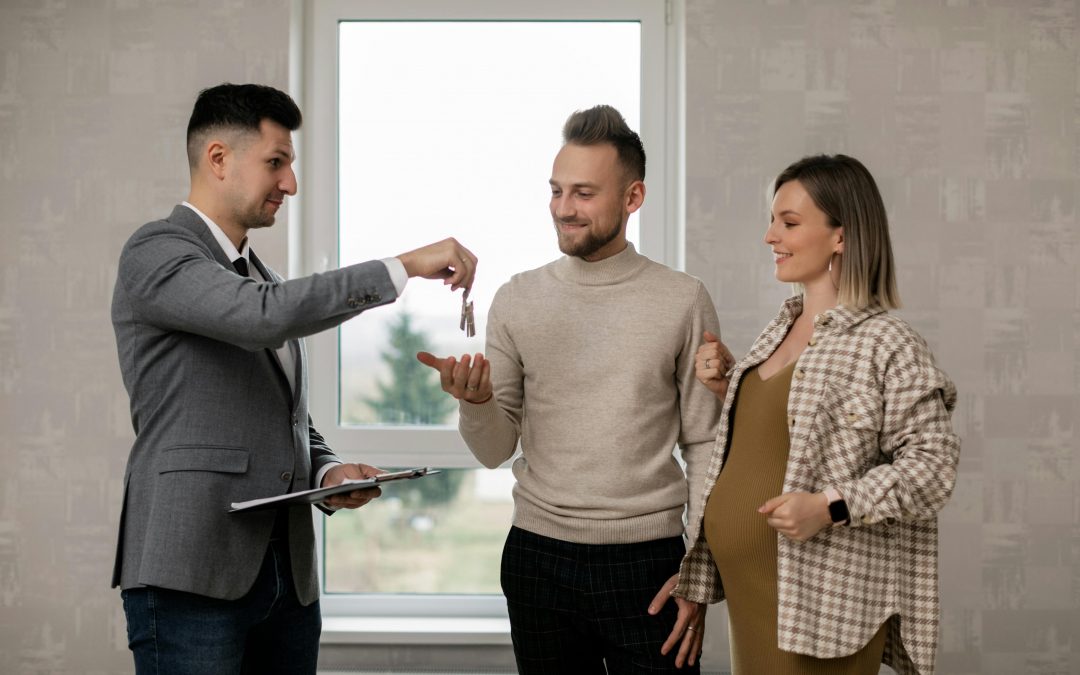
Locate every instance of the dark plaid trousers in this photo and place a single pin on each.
(576, 607)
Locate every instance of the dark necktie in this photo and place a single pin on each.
(241, 266)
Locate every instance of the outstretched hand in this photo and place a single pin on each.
(447, 260)
(712, 363)
(466, 380)
(689, 629)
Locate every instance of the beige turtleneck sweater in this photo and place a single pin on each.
(593, 371)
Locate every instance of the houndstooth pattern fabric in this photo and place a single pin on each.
(869, 414)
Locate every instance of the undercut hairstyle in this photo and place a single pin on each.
(846, 192)
(237, 107)
(604, 124)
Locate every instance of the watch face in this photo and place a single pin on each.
(838, 511)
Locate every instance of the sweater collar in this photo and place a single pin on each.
(616, 269)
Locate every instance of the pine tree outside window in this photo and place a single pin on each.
(412, 394)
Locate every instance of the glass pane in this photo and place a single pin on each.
(439, 534)
(450, 128)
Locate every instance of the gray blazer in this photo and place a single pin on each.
(214, 419)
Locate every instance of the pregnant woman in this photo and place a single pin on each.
(835, 452)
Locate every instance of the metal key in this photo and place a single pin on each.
(467, 323)
(464, 308)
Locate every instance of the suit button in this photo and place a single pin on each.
(286, 476)
(813, 341)
(799, 374)
(791, 421)
(295, 421)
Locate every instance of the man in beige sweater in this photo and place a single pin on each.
(590, 365)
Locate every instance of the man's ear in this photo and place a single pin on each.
(217, 155)
(635, 196)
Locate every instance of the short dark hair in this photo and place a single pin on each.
(238, 106)
(604, 124)
(846, 192)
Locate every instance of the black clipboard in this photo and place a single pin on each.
(319, 494)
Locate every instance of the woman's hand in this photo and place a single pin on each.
(688, 633)
(711, 364)
(797, 515)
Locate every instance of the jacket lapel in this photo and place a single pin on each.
(294, 395)
(185, 217)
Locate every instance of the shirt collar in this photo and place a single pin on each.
(222, 239)
(834, 320)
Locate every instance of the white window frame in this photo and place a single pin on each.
(314, 215)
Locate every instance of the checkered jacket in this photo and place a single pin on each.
(869, 414)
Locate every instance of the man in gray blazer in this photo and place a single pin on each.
(210, 349)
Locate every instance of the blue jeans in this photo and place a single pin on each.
(266, 631)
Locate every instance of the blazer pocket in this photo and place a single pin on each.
(204, 458)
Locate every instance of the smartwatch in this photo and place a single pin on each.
(838, 510)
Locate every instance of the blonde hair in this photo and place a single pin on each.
(846, 192)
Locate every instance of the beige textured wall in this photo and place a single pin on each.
(94, 99)
(967, 114)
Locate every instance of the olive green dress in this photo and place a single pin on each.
(744, 546)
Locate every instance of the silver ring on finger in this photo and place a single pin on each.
(707, 364)
(468, 388)
(691, 628)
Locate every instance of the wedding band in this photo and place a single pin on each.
(468, 388)
(691, 628)
(707, 364)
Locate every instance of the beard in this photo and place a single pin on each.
(587, 245)
(252, 217)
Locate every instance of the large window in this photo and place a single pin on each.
(450, 128)
(422, 129)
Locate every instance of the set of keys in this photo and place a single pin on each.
(467, 324)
